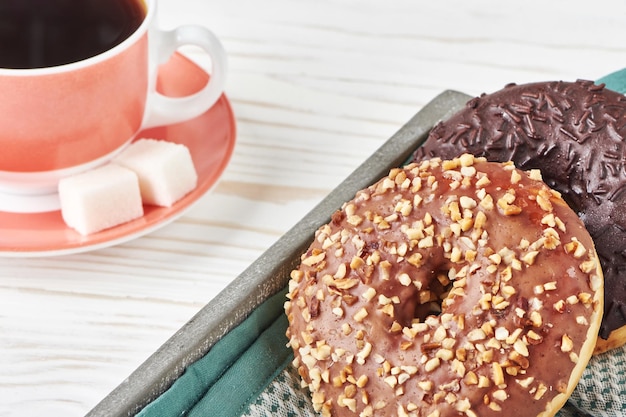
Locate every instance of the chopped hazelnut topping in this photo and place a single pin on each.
(355, 220)
(541, 390)
(391, 380)
(595, 282)
(405, 279)
(363, 354)
(432, 364)
(576, 248)
(515, 177)
(445, 354)
(468, 171)
(388, 310)
(483, 382)
(415, 259)
(451, 164)
(487, 202)
(369, 294)
(520, 347)
(476, 335)
(466, 160)
(497, 374)
(529, 257)
(543, 200)
(501, 333)
(483, 181)
(467, 202)
(505, 203)
(350, 403)
(314, 259)
(572, 299)
(360, 315)
(470, 378)
(425, 385)
(500, 395)
(549, 220)
(356, 263)
(585, 297)
(559, 306)
(536, 319)
(566, 343)
(535, 174)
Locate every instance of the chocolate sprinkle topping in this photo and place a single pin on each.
(574, 133)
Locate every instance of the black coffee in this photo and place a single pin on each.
(45, 33)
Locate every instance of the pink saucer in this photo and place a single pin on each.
(210, 139)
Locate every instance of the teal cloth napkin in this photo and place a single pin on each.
(615, 81)
(234, 371)
(248, 373)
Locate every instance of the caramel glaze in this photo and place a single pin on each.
(575, 133)
(508, 264)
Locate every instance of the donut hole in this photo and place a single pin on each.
(431, 298)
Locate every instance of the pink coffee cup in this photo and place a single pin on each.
(62, 120)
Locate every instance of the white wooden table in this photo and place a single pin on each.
(316, 86)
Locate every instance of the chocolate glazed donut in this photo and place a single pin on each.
(448, 288)
(575, 133)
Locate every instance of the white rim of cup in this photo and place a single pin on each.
(72, 66)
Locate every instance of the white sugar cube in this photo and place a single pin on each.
(99, 199)
(165, 170)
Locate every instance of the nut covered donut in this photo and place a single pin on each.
(575, 133)
(457, 287)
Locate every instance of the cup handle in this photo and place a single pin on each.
(163, 110)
